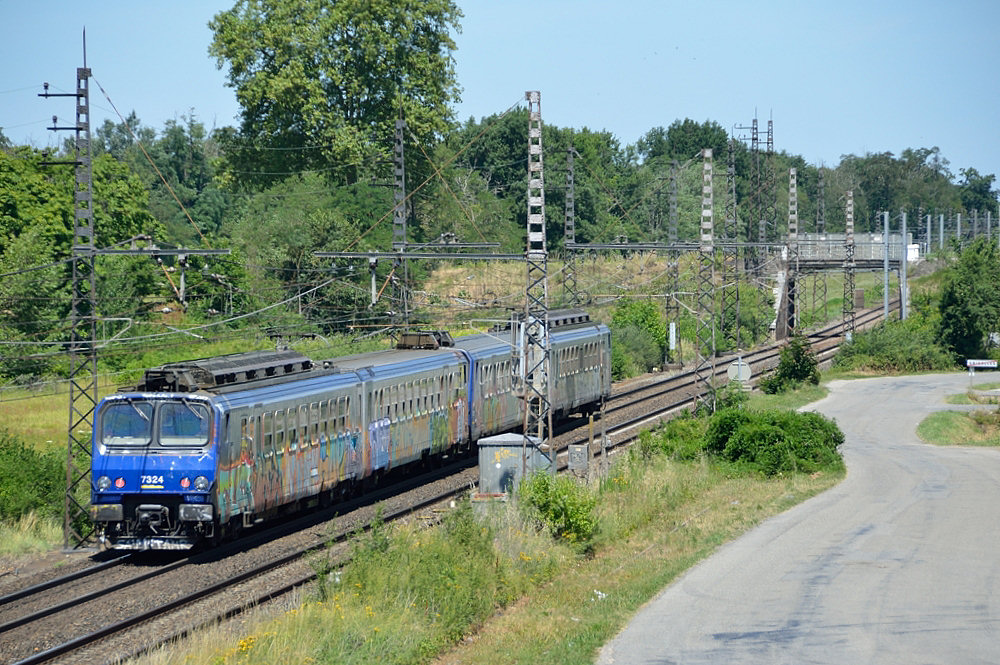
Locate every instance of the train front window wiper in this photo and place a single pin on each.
(126, 422)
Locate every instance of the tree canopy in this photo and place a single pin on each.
(970, 300)
(320, 83)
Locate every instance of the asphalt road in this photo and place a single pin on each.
(899, 563)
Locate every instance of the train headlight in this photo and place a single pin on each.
(185, 482)
(201, 483)
(119, 482)
(103, 483)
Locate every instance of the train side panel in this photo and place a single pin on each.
(494, 407)
(581, 367)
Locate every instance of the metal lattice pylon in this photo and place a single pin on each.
(730, 258)
(792, 250)
(535, 344)
(848, 308)
(705, 328)
(83, 326)
(572, 295)
(673, 311)
(819, 278)
(401, 284)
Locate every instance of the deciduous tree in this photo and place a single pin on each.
(321, 83)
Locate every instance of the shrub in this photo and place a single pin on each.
(633, 351)
(681, 438)
(722, 426)
(775, 441)
(896, 346)
(796, 365)
(30, 481)
(564, 506)
(646, 316)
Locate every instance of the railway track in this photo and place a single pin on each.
(144, 602)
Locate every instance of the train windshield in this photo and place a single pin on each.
(128, 423)
(183, 423)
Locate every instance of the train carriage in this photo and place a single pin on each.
(204, 448)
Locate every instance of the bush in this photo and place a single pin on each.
(896, 346)
(637, 351)
(774, 441)
(30, 481)
(638, 338)
(564, 506)
(797, 365)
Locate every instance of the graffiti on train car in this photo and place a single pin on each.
(499, 410)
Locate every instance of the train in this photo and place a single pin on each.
(199, 450)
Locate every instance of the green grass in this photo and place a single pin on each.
(960, 428)
(793, 399)
(504, 590)
(30, 534)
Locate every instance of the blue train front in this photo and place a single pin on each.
(153, 470)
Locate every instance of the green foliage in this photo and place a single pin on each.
(680, 438)
(895, 346)
(772, 442)
(970, 300)
(30, 481)
(797, 365)
(566, 507)
(768, 442)
(638, 338)
(683, 140)
(317, 80)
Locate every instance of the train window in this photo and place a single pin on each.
(314, 423)
(324, 417)
(246, 435)
(267, 427)
(293, 429)
(183, 423)
(279, 431)
(127, 423)
(304, 424)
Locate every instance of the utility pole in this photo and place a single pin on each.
(82, 318)
(399, 224)
(903, 295)
(705, 326)
(885, 265)
(569, 279)
(793, 248)
(673, 310)
(848, 303)
(535, 386)
(82, 346)
(730, 257)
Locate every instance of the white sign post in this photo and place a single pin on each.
(972, 364)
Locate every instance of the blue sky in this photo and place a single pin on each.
(837, 78)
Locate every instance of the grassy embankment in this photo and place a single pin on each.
(503, 590)
(980, 427)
